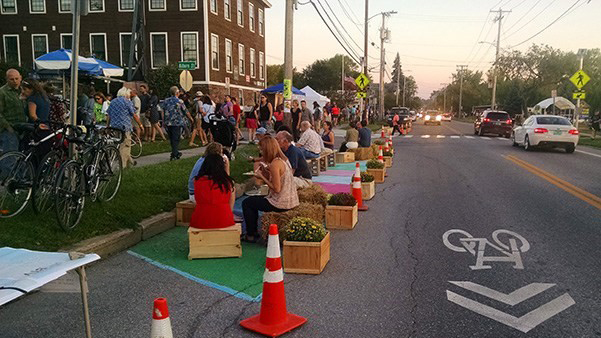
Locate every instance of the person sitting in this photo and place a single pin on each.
(328, 135)
(260, 134)
(214, 194)
(351, 140)
(213, 148)
(302, 173)
(310, 141)
(364, 134)
(276, 172)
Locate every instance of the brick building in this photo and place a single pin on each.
(226, 38)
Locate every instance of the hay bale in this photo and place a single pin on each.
(313, 194)
(313, 211)
(362, 154)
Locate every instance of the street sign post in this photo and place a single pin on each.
(581, 95)
(580, 79)
(185, 80)
(362, 81)
(186, 65)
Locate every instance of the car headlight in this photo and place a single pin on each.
(438, 117)
(427, 117)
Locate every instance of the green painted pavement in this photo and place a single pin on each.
(243, 275)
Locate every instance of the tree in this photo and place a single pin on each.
(275, 75)
(163, 78)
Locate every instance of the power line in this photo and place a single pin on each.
(341, 25)
(478, 39)
(355, 22)
(348, 45)
(522, 17)
(530, 20)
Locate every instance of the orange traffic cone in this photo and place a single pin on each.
(161, 324)
(357, 193)
(273, 320)
(386, 148)
(382, 135)
(381, 156)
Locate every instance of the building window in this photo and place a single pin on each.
(126, 5)
(252, 63)
(228, 56)
(261, 23)
(64, 6)
(96, 6)
(241, 60)
(190, 47)
(227, 9)
(125, 44)
(157, 5)
(158, 45)
(240, 97)
(98, 45)
(9, 6)
(37, 6)
(40, 44)
(67, 40)
(214, 52)
(240, 10)
(187, 5)
(12, 53)
(214, 6)
(251, 16)
(261, 65)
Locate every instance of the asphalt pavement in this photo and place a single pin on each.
(393, 276)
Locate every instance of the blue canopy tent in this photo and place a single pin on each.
(61, 60)
(279, 88)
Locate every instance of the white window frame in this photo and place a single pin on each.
(44, 12)
(214, 50)
(261, 66)
(101, 11)
(125, 10)
(181, 39)
(240, 12)
(231, 63)
(8, 13)
(229, 11)
(241, 59)
(214, 9)
(166, 48)
(121, 47)
(61, 11)
(18, 46)
(106, 52)
(251, 15)
(253, 63)
(150, 9)
(33, 45)
(61, 37)
(188, 9)
(261, 23)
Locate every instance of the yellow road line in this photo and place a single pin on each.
(584, 195)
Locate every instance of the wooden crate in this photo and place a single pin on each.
(314, 165)
(183, 212)
(341, 217)
(323, 162)
(331, 159)
(362, 154)
(215, 243)
(388, 161)
(345, 157)
(378, 174)
(368, 190)
(306, 257)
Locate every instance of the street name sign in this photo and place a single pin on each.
(579, 95)
(362, 81)
(580, 79)
(186, 65)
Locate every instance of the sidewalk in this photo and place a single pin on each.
(165, 157)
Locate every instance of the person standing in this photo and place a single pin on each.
(98, 108)
(251, 122)
(175, 112)
(208, 109)
(395, 123)
(306, 113)
(238, 117)
(296, 119)
(38, 111)
(265, 112)
(138, 106)
(335, 114)
(145, 111)
(227, 109)
(596, 123)
(317, 116)
(155, 117)
(120, 115)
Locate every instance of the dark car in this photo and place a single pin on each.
(493, 122)
(404, 116)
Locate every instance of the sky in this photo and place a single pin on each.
(433, 36)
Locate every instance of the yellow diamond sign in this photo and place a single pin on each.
(362, 81)
(579, 95)
(361, 95)
(580, 79)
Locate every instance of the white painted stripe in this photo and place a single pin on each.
(586, 152)
(440, 136)
(408, 136)
(273, 246)
(503, 139)
(425, 136)
(512, 298)
(273, 276)
(470, 137)
(454, 136)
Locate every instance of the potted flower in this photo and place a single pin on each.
(368, 186)
(387, 158)
(377, 170)
(341, 212)
(307, 246)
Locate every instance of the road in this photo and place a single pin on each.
(391, 276)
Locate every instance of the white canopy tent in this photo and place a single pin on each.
(312, 96)
(563, 107)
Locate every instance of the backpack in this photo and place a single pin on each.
(317, 114)
(222, 130)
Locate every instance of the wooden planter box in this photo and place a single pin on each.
(368, 190)
(378, 174)
(341, 217)
(306, 257)
(215, 243)
(388, 161)
(346, 157)
(183, 212)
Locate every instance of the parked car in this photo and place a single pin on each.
(433, 117)
(493, 122)
(446, 117)
(549, 131)
(405, 117)
(413, 115)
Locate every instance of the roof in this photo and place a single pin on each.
(560, 102)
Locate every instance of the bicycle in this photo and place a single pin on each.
(136, 146)
(95, 172)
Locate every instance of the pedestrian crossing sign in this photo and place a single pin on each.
(361, 95)
(362, 81)
(580, 79)
(579, 95)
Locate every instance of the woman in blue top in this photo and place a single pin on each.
(38, 104)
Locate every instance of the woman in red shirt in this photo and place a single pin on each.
(237, 115)
(335, 114)
(214, 195)
(279, 117)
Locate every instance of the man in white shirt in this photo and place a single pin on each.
(138, 105)
(310, 141)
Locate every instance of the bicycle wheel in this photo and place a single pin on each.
(69, 192)
(109, 172)
(136, 146)
(43, 189)
(16, 182)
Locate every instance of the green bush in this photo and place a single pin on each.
(366, 178)
(163, 78)
(342, 199)
(379, 142)
(387, 153)
(374, 164)
(303, 229)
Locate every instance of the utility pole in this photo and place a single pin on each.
(444, 99)
(342, 73)
(288, 66)
(383, 36)
(398, 89)
(461, 70)
(405, 87)
(362, 103)
(498, 19)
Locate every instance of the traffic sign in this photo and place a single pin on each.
(580, 79)
(185, 80)
(362, 81)
(361, 95)
(579, 95)
(186, 65)
(287, 89)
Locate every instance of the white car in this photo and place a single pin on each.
(546, 131)
(446, 117)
